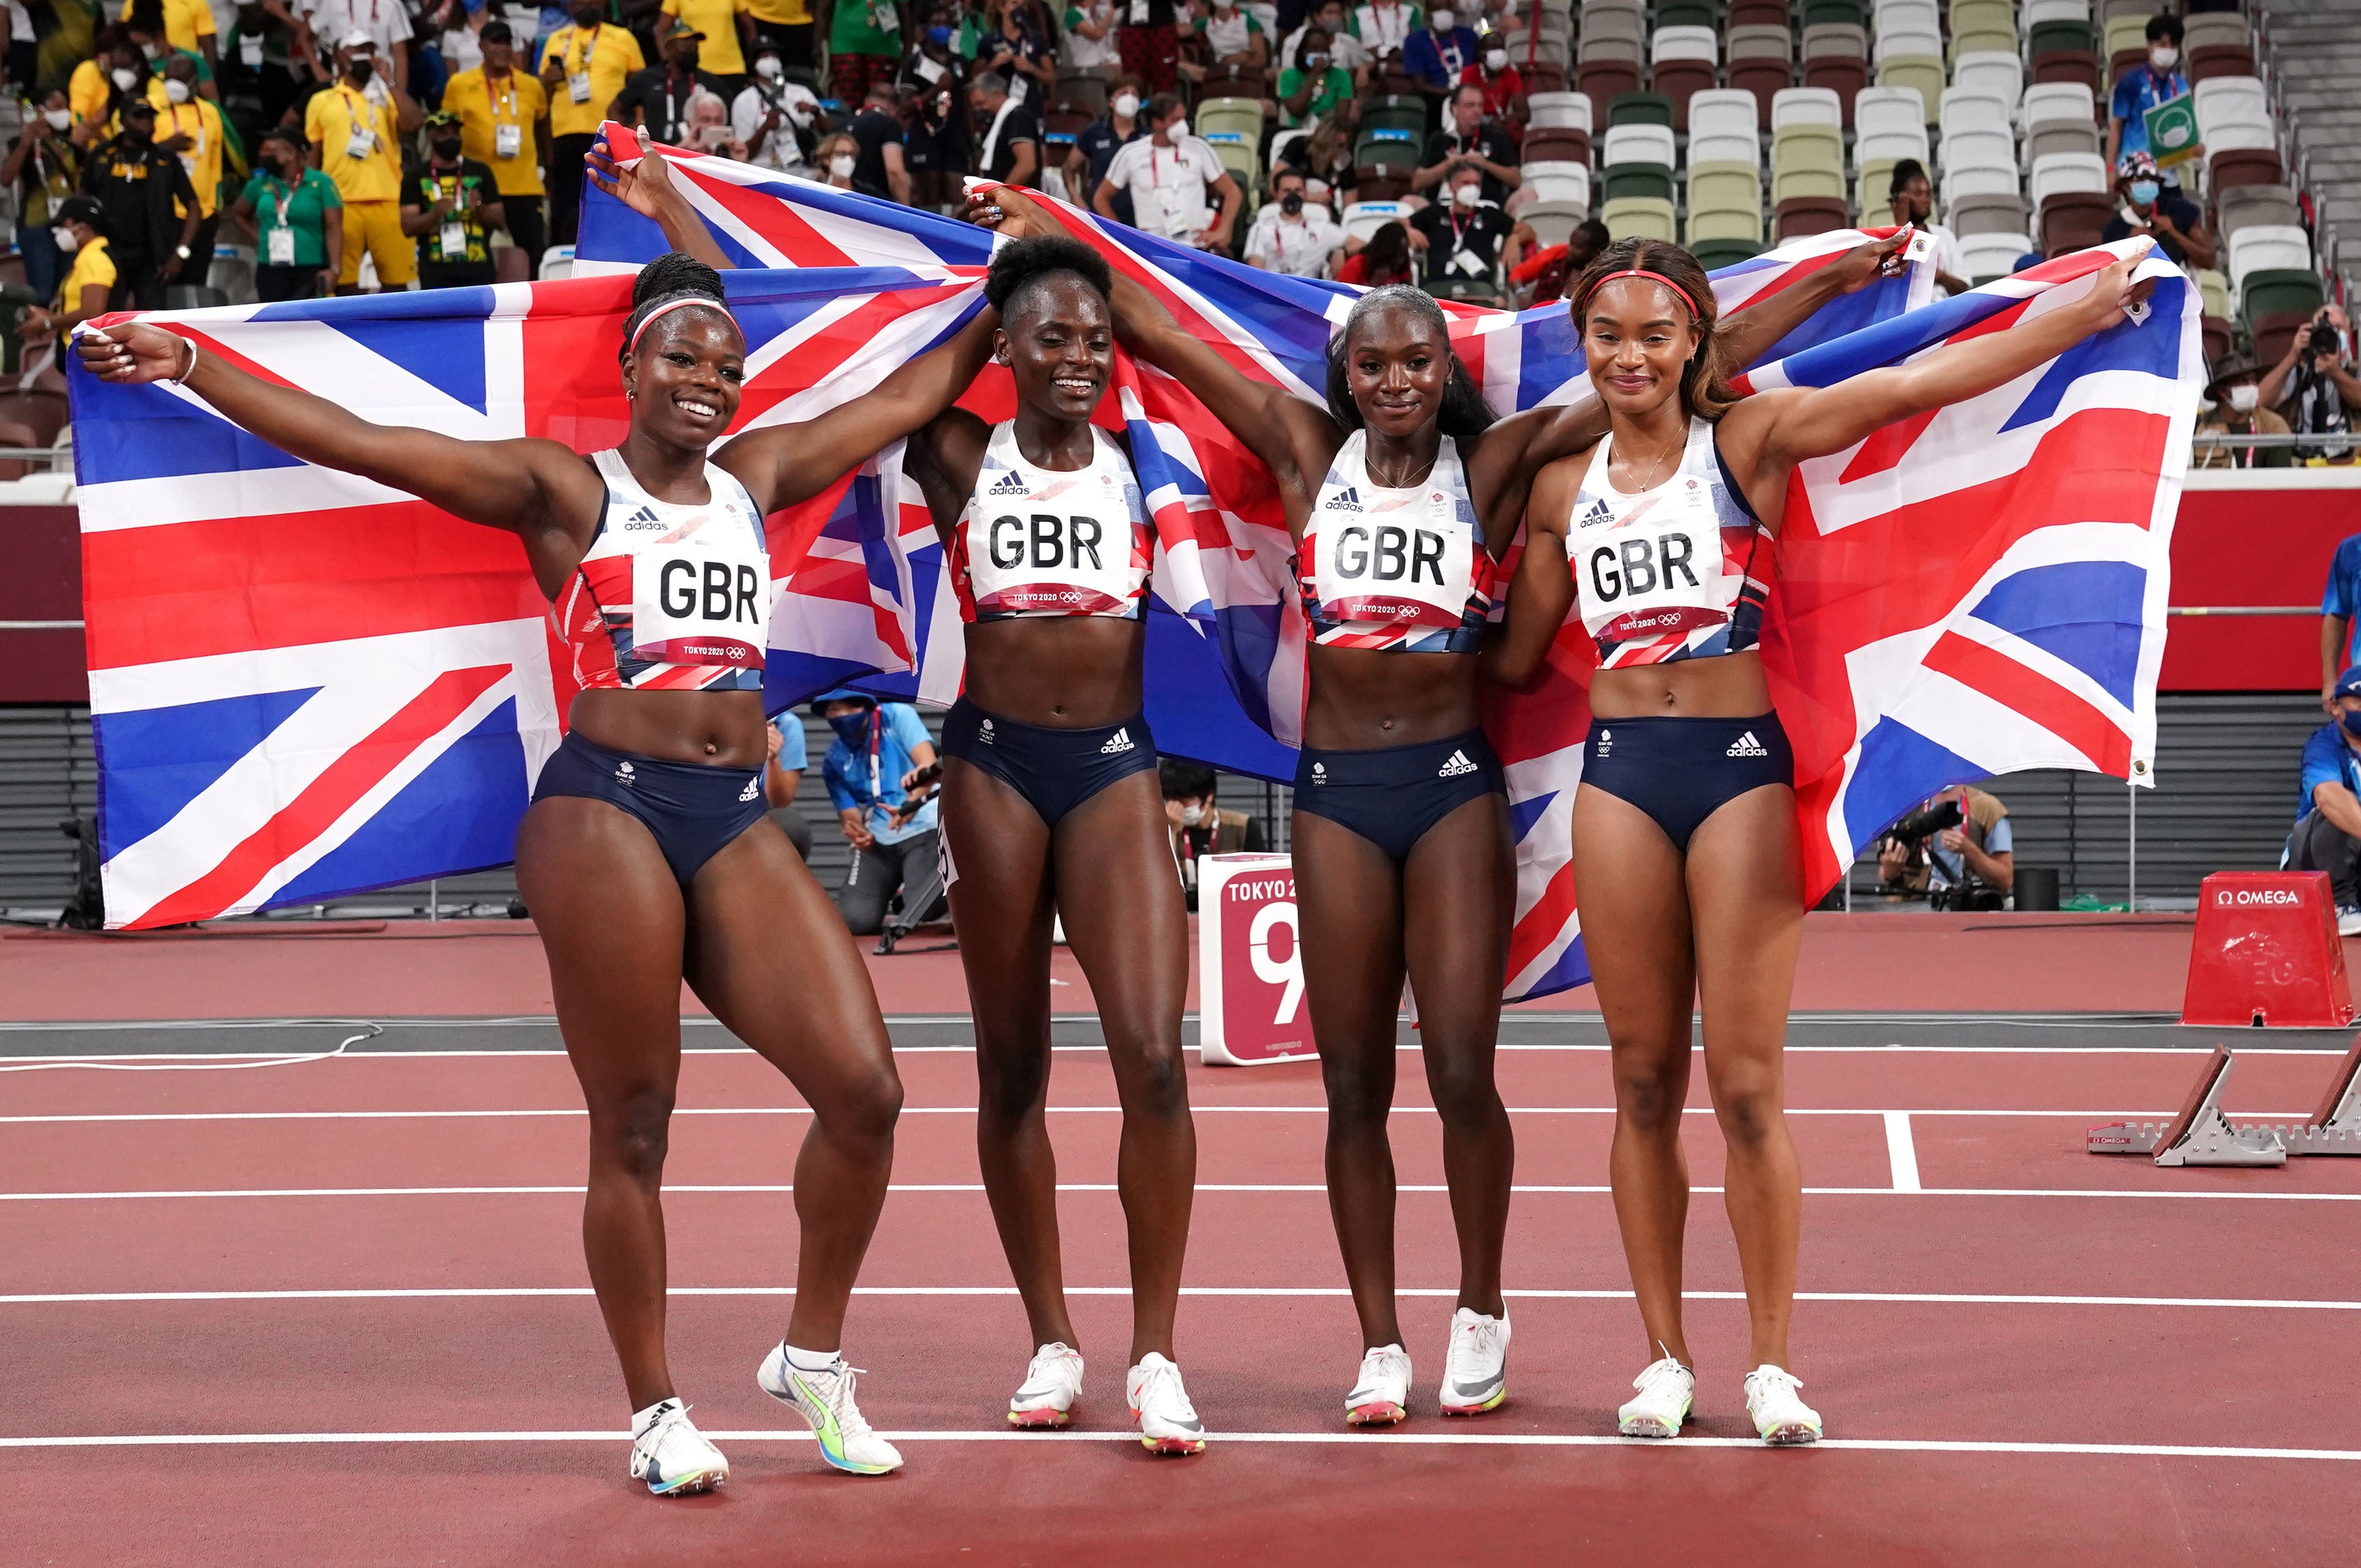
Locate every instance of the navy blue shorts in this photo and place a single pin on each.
(1392, 795)
(693, 811)
(1054, 770)
(1680, 771)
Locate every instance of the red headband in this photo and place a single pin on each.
(1695, 314)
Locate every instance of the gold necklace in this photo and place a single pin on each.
(1656, 475)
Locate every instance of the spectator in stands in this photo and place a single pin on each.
(783, 776)
(1096, 144)
(709, 127)
(504, 126)
(45, 166)
(1469, 142)
(2151, 211)
(1504, 84)
(2235, 393)
(1170, 176)
(1290, 235)
(876, 746)
(1314, 86)
(1091, 47)
(297, 220)
(774, 118)
(1542, 274)
(144, 21)
(192, 128)
(879, 170)
(724, 27)
(1345, 50)
(2143, 87)
(1326, 155)
(2339, 603)
(656, 99)
(1150, 44)
(142, 188)
(2327, 835)
(1016, 48)
(1442, 55)
(360, 143)
(1466, 236)
(387, 25)
(787, 26)
(77, 231)
(1198, 825)
(1383, 27)
(939, 144)
(450, 206)
(834, 160)
(2314, 381)
(583, 68)
(100, 85)
(1384, 260)
(1234, 41)
(1910, 197)
(1011, 147)
(1982, 846)
(865, 46)
(263, 54)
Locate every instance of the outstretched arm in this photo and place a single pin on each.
(647, 188)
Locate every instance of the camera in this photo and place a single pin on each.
(1920, 826)
(1912, 833)
(2323, 339)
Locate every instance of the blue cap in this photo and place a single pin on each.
(2349, 682)
(846, 694)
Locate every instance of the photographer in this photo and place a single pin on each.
(2327, 835)
(2317, 387)
(891, 828)
(1953, 846)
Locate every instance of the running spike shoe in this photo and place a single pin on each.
(1783, 1419)
(1381, 1396)
(1053, 1380)
(1168, 1422)
(1475, 1367)
(671, 1455)
(1667, 1390)
(825, 1399)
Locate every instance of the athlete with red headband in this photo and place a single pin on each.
(1400, 490)
(647, 857)
(1686, 849)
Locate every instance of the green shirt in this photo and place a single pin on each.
(302, 208)
(865, 26)
(1335, 86)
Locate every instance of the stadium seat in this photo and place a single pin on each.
(1806, 105)
(1725, 148)
(1724, 111)
(1683, 63)
(1725, 202)
(1641, 109)
(2109, 10)
(1979, 149)
(1240, 155)
(1653, 180)
(1993, 74)
(1758, 13)
(1892, 118)
(1989, 213)
(1552, 110)
(1873, 190)
(1989, 256)
(1843, 13)
(1827, 41)
(1716, 254)
(2243, 206)
(1086, 93)
(1404, 113)
(2230, 100)
(1640, 143)
(1240, 117)
(1363, 219)
(1766, 79)
(2064, 171)
(2036, 12)
(1645, 217)
(2235, 166)
(2126, 33)
(2071, 220)
(2295, 292)
(2061, 135)
(1381, 181)
(1553, 144)
(1558, 185)
(1907, 16)
(1808, 160)
(1844, 77)
(1921, 73)
(2267, 248)
(1387, 147)
(2067, 65)
(1554, 221)
(2061, 38)
(1800, 215)
(1761, 43)
(1700, 14)
(1968, 109)
(2047, 100)
(1604, 81)
(2217, 62)
(2215, 331)
(2214, 289)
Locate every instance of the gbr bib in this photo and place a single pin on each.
(1045, 542)
(1670, 572)
(1401, 570)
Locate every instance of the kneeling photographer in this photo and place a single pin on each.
(2316, 381)
(1956, 848)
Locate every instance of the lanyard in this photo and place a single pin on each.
(503, 104)
(876, 742)
(573, 35)
(283, 199)
(361, 116)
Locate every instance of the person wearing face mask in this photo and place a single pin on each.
(1198, 827)
(939, 144)
(2235, 393)
(297, 220)
(2327, 834)
(1442, 55)
(2148, 207)
(836, 158)
(75, 232)
(1096, 144)
(1469, 142)
(387, 26)
(1911, 199)
(892, 831)
(1015, 47)
(2314, 381)
(102, 84)
(583, 68)
(148, 25)
(1503, 84)
(262, 55)
(1089, 43)
(45, 165)
(151, 208)
(656, 100)
(1291, 234)
(504, 126)
(2142, 88)
(773, 117)
(1170, 176)
(1314, 86)
(1345, 50)
(787, 26)
(880, 169)
(725, 27)
(450, 206)
(192, 128)
(1232, 35)
(1384, 27)
(1463, 236)
(359, 146)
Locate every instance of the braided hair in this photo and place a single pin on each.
(672, 279)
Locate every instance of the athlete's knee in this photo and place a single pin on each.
(1012, 1085)
(1466, 1095)
(634, 1135)
(866, 1108)
(1647, 1097)
(1747, 1105)
(1359, 1095)
(1159, 1085)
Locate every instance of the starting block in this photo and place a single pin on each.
(2202, 1135)
(2267, 952)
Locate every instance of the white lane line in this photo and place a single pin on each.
(96, 1117)
(1283, 1187)
(1892, 1049)
(1390, 1439)
(1902, 1151)
(1875, 1298)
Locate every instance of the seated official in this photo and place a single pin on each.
(1199, 827)
(2327, 835)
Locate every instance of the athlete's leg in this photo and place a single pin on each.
(767, 953)
(1129, 927)
(1349, 934)
(610, 920)
(1635, 931)
(1746, 887)
(1001, 910)
(1459, 894)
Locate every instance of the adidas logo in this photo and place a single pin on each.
(753, 787)
(623, 773)
(1595, 515)
(1458, 765)
(1346, 499)
(983, 732)
(641, 521)
(1117, 743)
(1746, 745)
(1008, 484)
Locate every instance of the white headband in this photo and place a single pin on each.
(669, 306)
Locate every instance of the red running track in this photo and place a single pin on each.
(2024, 1293)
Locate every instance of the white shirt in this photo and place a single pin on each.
(1948, 258)
(1299, 249)
(387, 21)
(1085, 54)
(1169, 185)
(797, 104)
(1345, 51)
(462, 51)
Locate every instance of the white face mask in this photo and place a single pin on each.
(1177, 129)
(1465, 195)
(1192, 815)
(1496, 59)
(58, 118)
(1444, 21)
(768, 67)
(125, 80)
(2243, 399)
(841, 166)
(2163, 57)
(175, 90)
(1126, 104)
(67, 241)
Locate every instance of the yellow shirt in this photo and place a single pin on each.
(185, 21)
(612, 55)
(328, 125)
(87, 92)
(91, 265)
(520, 100)
(717, 20)
(201, 123)
(780, 12)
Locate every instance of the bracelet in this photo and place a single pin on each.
(181, 379)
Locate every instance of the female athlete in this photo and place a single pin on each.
(647, 857)
(1050, 801)
(1684, 840)
(1402, 854)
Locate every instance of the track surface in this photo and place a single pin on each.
(2038, 1350)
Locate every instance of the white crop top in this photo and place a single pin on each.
(1679, 571)
(1045, 542)
(1400, 570)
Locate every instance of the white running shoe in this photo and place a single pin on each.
(1168, 1422)
(1781, 1419)
(1381, 1397)
(671, 1455)
(1476, 1368)
(1667, 1390)
(825, 1399)
(1053, 1379)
